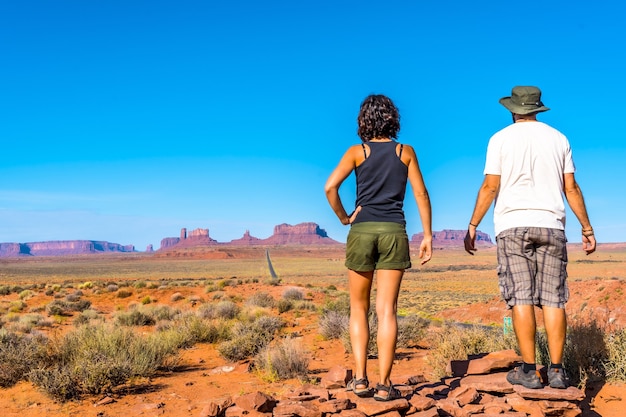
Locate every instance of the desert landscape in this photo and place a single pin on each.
(181, 289)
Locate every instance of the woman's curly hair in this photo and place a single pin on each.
(378, 118)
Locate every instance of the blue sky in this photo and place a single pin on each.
(125, 121)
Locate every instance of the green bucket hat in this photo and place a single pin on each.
(524, 100)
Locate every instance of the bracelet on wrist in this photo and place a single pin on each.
(472, 224)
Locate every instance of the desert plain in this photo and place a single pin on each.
(453, 287)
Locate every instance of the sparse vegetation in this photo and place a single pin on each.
(457, 342)
(283, 360)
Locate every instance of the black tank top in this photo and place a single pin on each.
(381, 185)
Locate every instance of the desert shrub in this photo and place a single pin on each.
(411, 329)
(124, 293)
(17, 289)
(457, 342)
(140, 284)
(56, 308)
(163, 312)
(19, 354)
(49, 292)
(585, 352)
(64, 307)
(112, 288)
(177, 297)
(274, 282)
(16, 306)
(5, 290)
(293, 294)
(305, 305)
(135, 317)
(25, 294)
(194, 330)
(86, 285)
(284, 360)
(223, 310)
(615, 363)
(27, 322)
(96, 359)
(72, 298)
(284, 305)
(85, 317)
(224, 283)
(249, 338)
(333, 324)
(339, 303)
(261, 299)
(146, 300)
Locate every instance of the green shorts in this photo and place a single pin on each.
(377, 245)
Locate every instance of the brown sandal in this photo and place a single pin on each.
(392, 392)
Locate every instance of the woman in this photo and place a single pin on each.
(377, 240)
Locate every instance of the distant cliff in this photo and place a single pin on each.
(284, 234)
(447, 239)
(61, 247)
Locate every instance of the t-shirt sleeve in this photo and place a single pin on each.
(568, 163)
(492, 163)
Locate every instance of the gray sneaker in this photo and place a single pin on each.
(530, 380)
(557, 378)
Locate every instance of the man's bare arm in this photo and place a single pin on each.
(486, 195)
(575, 199)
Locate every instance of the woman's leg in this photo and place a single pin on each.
(387, 289)
(360, 286)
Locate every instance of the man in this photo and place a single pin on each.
(528, 168)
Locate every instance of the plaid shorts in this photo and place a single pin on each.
(532, 266)
(377, 245)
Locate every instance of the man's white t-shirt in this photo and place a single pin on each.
(530, 158)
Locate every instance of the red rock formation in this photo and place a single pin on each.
(61, 247)
(246, 240)
(197, 237)
(451, 238)
(300, 234)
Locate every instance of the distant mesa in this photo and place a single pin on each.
(61, 247)
(284, 234)
(447, 239)
(308, 233)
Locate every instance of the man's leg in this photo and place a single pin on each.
(387, 289)
(525, 327)
(555, 321)
(360, 286)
